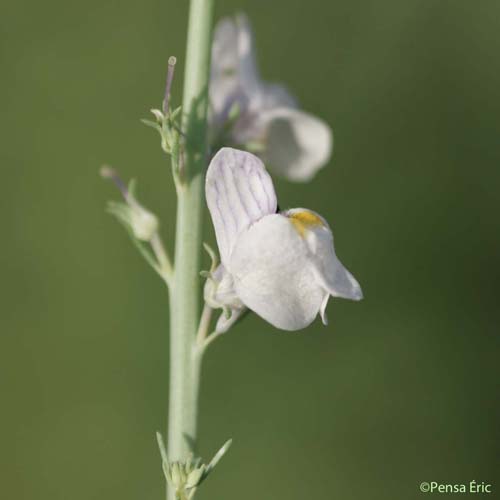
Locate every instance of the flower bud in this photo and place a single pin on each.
(143, 223)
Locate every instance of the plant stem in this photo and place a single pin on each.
(184, 296)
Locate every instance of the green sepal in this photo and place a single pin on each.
(151, 124)
(175, 113)
(214, 261)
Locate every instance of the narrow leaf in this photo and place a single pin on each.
(218, 456)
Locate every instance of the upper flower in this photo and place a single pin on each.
(281, 265)
(253, 114)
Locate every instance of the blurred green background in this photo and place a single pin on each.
(400, 388)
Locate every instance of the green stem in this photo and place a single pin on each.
(184, 296)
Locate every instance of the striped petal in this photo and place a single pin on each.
(239, 191)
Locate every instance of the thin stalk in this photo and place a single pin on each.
(204, 325)
(165, 266)
(184, 297)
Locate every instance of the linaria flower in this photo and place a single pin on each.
(259, 116)
(280, 265)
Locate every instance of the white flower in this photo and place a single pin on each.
(282, 265)
(293, 143)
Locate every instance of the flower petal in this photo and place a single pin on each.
(239, 191)
(234, 72)
(224, 81)
(298, 144)
(225, 55)
(258, 109)
(337, 280)
(269, 96)
(328, 269)
(322, 309)
(272, 274)
(249, 77)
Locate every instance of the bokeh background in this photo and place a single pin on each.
(400, 388)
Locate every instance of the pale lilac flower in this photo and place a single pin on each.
(282, 265)
(263, 117)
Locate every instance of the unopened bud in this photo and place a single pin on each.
(144, 224)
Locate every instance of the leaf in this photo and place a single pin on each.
(218, 456)
(162, 448)
(151, 124)
(175, 113)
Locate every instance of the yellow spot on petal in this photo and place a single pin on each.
(303, 221)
